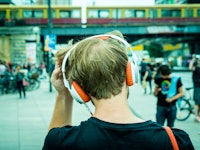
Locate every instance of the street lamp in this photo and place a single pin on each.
(49, 55)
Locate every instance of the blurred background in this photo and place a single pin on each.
(158, 30)
(31, 32)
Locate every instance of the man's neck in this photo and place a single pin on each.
(166, 76)
(115, 110)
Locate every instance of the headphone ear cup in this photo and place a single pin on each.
(129, 74)
(78, 94)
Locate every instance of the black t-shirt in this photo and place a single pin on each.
(143, 68)
(164, 84)
(95, 134)
(196, 77)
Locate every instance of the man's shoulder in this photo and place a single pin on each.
(75, 135)
(158, 79)
(179, 132)
(182, 139)
(176, 77)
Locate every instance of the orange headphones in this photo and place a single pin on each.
(132, 71)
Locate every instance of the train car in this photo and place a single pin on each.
(100, 15)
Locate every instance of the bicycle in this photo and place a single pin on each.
(34, 82)
(8, 84)
(185, 106)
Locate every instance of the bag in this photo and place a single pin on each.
(172, 138)
(144, 84)
(24, 82)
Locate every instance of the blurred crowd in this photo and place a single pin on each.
(26, 74)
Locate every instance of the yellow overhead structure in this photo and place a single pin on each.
(166, 47)
(138, 47)
(171, 47)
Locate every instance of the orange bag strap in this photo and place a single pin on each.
(172, 138)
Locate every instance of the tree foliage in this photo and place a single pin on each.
(155, 49)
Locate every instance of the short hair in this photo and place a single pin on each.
(164, 70)
(98, 66)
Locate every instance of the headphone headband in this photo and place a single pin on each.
(102, 36)
(81, 97)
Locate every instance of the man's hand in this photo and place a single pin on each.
(57, 80)
(62, 114)
(169, 100)
(156, 91)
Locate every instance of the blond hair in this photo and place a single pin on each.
(98, 66)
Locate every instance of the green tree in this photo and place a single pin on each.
(155, 49)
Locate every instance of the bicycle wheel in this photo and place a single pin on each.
(36, 84)
(183, 109)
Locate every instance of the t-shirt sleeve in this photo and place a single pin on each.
(58, 137)
(179, 83)
(52, 140)
(156, 81)
(183, 140)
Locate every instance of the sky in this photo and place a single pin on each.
(116, 2)
(103, 2)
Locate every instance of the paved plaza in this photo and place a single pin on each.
(24, 122)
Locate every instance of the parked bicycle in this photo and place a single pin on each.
(34, 82)
(185, 105)
(8, 83)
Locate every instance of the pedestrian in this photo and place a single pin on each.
(97, 69)
(168, 89)
(148, 78)
(43, 73)
(195, 67)
(19, 81)
(2, 69)
(143, 67)
(3, 77)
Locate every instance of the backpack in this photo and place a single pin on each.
(173, 87)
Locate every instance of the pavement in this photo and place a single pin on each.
(24, 122)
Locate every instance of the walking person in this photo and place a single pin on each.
(195, 67)
(43, 73)
(143, 68)
(97, 69)
(168, 89)
(19, 81)
(2, 68)
(4, 75)
(148, 78)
